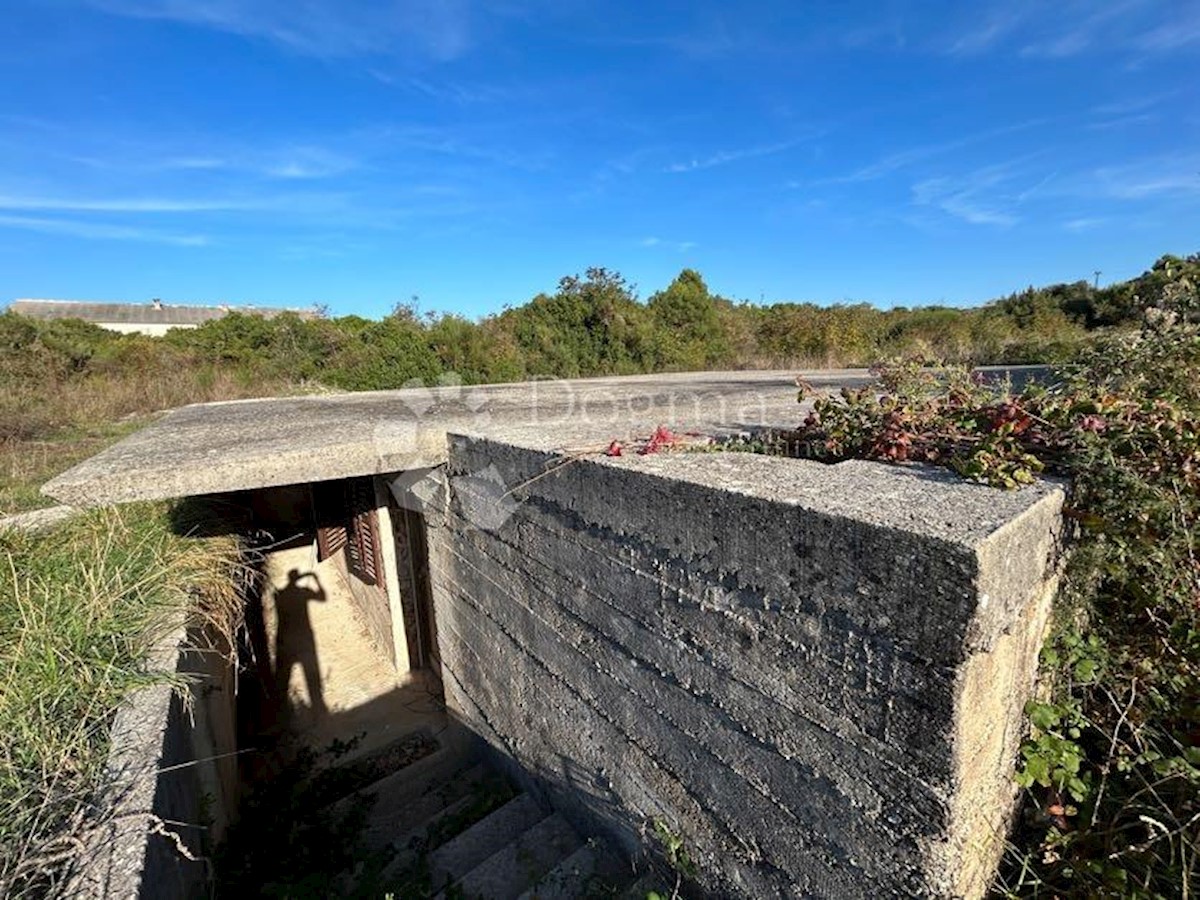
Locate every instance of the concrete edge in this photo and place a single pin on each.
(116, 846)
(924, 499)
(38, 519)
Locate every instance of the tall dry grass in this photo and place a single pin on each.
(49, 424)
(81, 607)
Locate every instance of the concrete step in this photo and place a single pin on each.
(457, 857)
(568, 880)
(593, 870)
(401, 801)
(444, 823)
(332, 782)
(508, 872)
(400, 857)
(399, 811)
(408, 850)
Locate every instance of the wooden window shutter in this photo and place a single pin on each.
(332, 517)
(347, 521)
(363, 554)
(363, 550)
(330, 539)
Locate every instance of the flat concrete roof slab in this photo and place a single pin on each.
(919, 499)
(241, 445)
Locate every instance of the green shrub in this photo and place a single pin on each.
(1112, 766)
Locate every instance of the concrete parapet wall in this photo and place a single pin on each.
(813, 675)
(170, 782)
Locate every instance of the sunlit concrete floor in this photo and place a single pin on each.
(325, 680)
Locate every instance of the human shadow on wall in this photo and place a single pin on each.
(294, 641)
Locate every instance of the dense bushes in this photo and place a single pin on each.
(68, 373)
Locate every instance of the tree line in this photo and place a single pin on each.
(591, 325)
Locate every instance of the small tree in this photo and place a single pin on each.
(688, 333)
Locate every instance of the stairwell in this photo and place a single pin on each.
(360, 785)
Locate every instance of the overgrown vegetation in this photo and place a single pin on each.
(1111, 770)
(66, 387)
(81, 606)
(676, 855)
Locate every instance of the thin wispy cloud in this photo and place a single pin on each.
(308, 163)
(984, 35)
(1133, 104)
(1084, 223)
(1182, 31)
(193, 163)
(725, 157)
(707, 38)
(439, 29)
(895, 162)
(985, 196)
(1083, 31)
(143, 152)
(1014, 191)
(458, 93)
(1129, 112)
(101, 231)
(1164, 176)
(886, 32)
(1054, 31)
(295, 206)
(960, 202)
(1119, 122)
(125, 204)
(680, 246)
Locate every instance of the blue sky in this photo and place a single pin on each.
(360, 153)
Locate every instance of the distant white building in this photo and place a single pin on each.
(155, 317)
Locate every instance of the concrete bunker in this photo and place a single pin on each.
(812, 676)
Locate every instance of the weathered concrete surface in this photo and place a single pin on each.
(170, 782)
(218, 447)
(242, 445)
(37, 519)
(814, 675)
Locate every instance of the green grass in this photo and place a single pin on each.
(81, 606)
(25, 465)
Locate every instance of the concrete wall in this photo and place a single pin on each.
(371, 608)
(813, 675)
(377, 606)
(171, 784)
(155, 330)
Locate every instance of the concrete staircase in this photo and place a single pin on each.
(447, 826)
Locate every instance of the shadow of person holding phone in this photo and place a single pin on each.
(295, 644)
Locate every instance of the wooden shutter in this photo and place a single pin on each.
(332, 517)
(330, 539)
(347, 521)
(363, 553)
